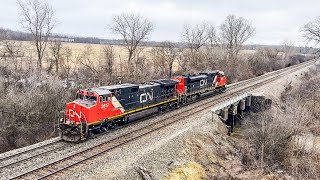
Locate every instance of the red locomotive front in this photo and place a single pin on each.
(220, 79)
(92, 106)
(211, 80)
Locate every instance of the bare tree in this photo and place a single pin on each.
(183, 63)
(312, 31)
(196, 37)
(134, 29)
(56, 53)
(37, 17)
(212, 36)
(109, 61)
(159, 65)
(11, 52)
(234, 32)
(66, 64)
(86, 58)
(167, 53)
(288, 48)
(88, 65)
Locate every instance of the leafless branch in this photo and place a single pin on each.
(37, 17)
(311, 31)
(133, 28)
(166, 54)
(234, 32)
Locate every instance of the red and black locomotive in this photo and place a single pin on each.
(101, 108)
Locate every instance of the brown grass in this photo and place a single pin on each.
(189, 170)
(121, 53)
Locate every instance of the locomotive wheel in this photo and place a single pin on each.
(103, 129)
(189, 100)
(161, 109)
(166, 108)
(115, 125)
(97, 131)
(173, 106)
(90, 134)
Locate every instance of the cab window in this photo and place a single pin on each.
(104, 98)
(79, 96)
(91, 98)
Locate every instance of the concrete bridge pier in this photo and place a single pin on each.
(233, 111)
(248, 104)
(242, 105)
(224, 113)
(241, 108)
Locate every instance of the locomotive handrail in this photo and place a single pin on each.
(68, 114)
(80, 120)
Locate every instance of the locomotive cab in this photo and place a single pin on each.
(220, 80)
(81, 115)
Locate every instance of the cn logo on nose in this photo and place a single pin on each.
(74, 113)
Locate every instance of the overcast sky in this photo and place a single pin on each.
(274, 20)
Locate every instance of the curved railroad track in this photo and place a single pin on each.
(55, 168)
(23, 156)
(28, 153)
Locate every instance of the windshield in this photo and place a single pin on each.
(79, 96)
(88, 98)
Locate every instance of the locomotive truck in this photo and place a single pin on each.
(101, 108)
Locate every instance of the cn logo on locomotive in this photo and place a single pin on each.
(74, 113)
(203, 82)
(144, 97)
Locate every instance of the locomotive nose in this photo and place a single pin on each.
(72, 113)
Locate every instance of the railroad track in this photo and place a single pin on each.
(53, 169)
(23, 156)
(28, 153)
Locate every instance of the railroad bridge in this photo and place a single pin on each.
(232, 110)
